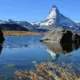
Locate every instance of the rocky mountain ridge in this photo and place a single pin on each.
(54, 20)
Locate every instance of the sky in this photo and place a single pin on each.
(37, 10)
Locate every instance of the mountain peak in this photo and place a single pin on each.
(54, 6)
(53, 13)
(57, 19)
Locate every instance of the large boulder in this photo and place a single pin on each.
(60, 35)
(1, 36)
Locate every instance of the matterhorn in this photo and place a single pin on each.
(56, 19)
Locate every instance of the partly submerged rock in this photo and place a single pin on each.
(1, 36)
(1, 40)
(61, 35)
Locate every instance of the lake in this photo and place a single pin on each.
(20, 53)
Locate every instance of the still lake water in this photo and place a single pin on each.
(19, 52)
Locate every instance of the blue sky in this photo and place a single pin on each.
(37, 10)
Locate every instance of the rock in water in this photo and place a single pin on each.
(1, 36)
(62, 35)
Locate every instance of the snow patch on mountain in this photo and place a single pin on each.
(54, 19)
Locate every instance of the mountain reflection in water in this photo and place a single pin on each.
(55, 49)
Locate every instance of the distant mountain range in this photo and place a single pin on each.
(12, 27)
(53, 20)
(78, 23)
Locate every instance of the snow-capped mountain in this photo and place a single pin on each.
(78, 23)
(54, 19)
(9, 21)
(24, 24)
(35, 23)
(7, 25)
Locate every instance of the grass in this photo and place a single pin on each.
(50, 71)
(20, 33)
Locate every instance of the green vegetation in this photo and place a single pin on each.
(11, 65)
